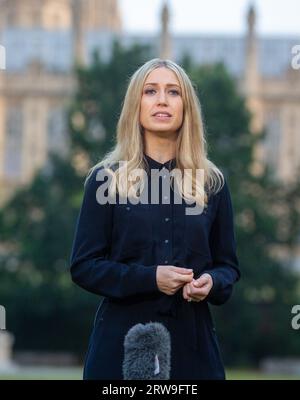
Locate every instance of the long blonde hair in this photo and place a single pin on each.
(191, 146)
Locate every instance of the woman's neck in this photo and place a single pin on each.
(160, 149)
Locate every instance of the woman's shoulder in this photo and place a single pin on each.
(99, 172)
(217, 187)
(223, 198)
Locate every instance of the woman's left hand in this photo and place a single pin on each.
(198, 289)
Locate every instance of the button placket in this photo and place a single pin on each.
(167, 233)
(165, 213)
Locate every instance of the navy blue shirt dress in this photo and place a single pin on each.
(115, 254)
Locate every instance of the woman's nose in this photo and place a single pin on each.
(162, 97)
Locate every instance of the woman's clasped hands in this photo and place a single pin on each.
(170, 279)
(198, 289)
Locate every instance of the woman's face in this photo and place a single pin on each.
(161, 108)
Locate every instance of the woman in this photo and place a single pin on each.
(160, 260)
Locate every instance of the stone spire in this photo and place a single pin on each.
(251, 60)
(78, 33)
(251, 88)
(165, 39)
(92, 15)
(101, 15)
(251, 18)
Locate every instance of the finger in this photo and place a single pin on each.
(179, 286)
(192, 289)
(184, 278)
(202, 281)
(199, 289)
(188, 291)
(181, 270)
(185, 296)
(201, 292)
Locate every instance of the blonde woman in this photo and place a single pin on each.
(151, 256)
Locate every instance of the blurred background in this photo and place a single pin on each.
(64, 66)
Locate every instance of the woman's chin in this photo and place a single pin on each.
(161, 128)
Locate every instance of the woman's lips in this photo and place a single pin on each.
(162, 117)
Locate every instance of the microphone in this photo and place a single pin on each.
(147, 352)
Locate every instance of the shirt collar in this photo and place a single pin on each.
(153, 164)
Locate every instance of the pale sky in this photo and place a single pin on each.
(212, 16)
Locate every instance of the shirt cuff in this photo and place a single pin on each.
(216, 283)
(148, 281)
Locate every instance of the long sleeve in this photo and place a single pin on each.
(89, 264)
(225, 268)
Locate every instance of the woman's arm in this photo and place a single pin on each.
(225, 269)
(89, 265)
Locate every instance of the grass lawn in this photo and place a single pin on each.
(48, 373)
(248, 374)
(75, 373)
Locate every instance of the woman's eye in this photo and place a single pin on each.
(149, 91)
(174, 92)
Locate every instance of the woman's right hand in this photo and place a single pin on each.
(170, 278)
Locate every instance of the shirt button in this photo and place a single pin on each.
(166, 241)
(167, 219)
(127, 208)
(166, 261)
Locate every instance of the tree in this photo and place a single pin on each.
(257, 320)
(38, 223)
(97, 104)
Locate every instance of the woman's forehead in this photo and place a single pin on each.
(162, 75)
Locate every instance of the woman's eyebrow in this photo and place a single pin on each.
(155, 84)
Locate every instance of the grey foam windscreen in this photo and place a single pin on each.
(147, 352)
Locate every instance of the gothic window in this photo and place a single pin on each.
(13, 143)
(293, 140)
(272, 139)
(56, 131)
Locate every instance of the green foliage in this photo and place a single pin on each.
(97, 104)
(45, 310)
(256, 322)
(37, 227)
